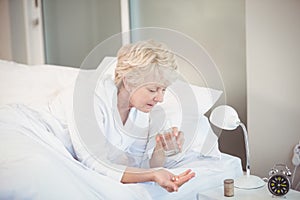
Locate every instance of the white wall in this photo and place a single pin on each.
(273, 83)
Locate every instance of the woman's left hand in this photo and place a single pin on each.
(158, 157)
(179, 137)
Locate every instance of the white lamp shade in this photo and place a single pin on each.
(225, 117)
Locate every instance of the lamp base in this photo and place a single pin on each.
(249, 182)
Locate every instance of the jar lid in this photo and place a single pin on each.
(228, 181)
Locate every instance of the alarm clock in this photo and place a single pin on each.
(278, 182)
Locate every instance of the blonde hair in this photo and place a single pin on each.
(145, 61)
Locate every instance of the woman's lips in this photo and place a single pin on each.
(150, 105)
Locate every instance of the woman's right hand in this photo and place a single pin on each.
(171, 182)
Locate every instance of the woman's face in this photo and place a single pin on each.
(146, 97)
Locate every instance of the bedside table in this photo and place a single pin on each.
(242, 194)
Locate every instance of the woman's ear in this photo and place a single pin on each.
(125, 84)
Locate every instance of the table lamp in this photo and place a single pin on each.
(226, 117)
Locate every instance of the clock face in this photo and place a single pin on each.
(279, 185)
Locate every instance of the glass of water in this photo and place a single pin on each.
(169, 142)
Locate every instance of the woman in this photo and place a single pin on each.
(122, 107)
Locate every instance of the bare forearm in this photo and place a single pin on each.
(137, 175)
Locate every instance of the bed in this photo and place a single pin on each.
(37, 158)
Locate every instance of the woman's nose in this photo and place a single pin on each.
(159, 97)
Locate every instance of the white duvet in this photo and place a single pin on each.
(37, 162)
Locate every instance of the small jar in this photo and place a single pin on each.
(228, 188)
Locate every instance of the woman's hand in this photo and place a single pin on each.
(179, 137)
(158, 156)
(171, 182)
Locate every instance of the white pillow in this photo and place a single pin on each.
(183, 98)
(33, 85)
